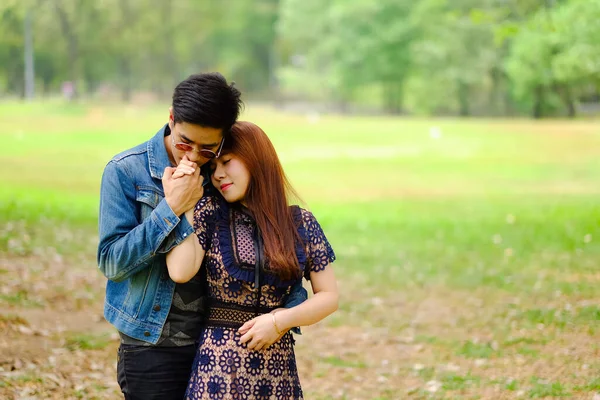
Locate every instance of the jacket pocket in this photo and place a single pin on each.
(148, 198)
(138, 288)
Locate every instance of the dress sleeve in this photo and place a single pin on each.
(319, 251)
(204, 215)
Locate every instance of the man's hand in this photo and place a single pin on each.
(184, 192)
(259, 332)
(185, 167)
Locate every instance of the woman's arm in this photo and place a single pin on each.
(313, 310)
(184, 260)
(261, 331)
(265, 330)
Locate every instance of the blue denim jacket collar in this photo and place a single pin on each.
(158, 158)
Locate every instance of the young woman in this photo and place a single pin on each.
(254, 247)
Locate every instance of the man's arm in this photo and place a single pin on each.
(127, 244)
(297, 295)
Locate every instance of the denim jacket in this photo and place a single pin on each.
(136, 230)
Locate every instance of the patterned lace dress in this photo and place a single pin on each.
(224, 368)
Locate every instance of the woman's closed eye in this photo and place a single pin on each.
(223, 160)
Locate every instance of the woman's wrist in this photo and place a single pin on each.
(189, 215)
(279, 331)
(283, 323)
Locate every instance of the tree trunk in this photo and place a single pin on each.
(171, 61)
(29, 67)
(538, 102)
(126, 84)
(125, 69)
(496, 102)
(392, 97)
(508, 107)
(46, 86)
(568, 99)
(15, 69)
(463, 99)
(91, 82)
(72, 45)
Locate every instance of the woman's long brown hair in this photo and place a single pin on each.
(267, 196)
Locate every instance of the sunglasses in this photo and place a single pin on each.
(206, 153)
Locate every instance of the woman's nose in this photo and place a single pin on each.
(218, 173)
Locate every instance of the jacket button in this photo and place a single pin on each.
(156, 307)
(146, 333)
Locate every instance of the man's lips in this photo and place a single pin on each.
(226, 186)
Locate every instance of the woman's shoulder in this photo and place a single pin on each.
(299, 210)
(209, 202)
(208, 209)
(303, 214)
(306, 222)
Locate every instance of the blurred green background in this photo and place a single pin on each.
(434, 57)
(467, 247)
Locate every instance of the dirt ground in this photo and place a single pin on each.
(55, 343)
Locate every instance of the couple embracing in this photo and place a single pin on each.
(205, 257)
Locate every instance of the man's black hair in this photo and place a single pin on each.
(207, 100)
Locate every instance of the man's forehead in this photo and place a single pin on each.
(202, 136)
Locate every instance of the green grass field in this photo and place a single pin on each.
(467, 252)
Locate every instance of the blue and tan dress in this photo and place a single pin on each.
(224, 368)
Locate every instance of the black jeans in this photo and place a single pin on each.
(148, 372)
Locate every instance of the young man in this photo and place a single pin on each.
(140, 221)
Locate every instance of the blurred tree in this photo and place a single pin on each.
(67, 13)
(242, 39)
(454, 54)
(577, 65)
(350, 44)
(555, 57)
(29, 60)
(11, 47)
(464, 57)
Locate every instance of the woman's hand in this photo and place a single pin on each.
(185, 167)
(259, 332)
